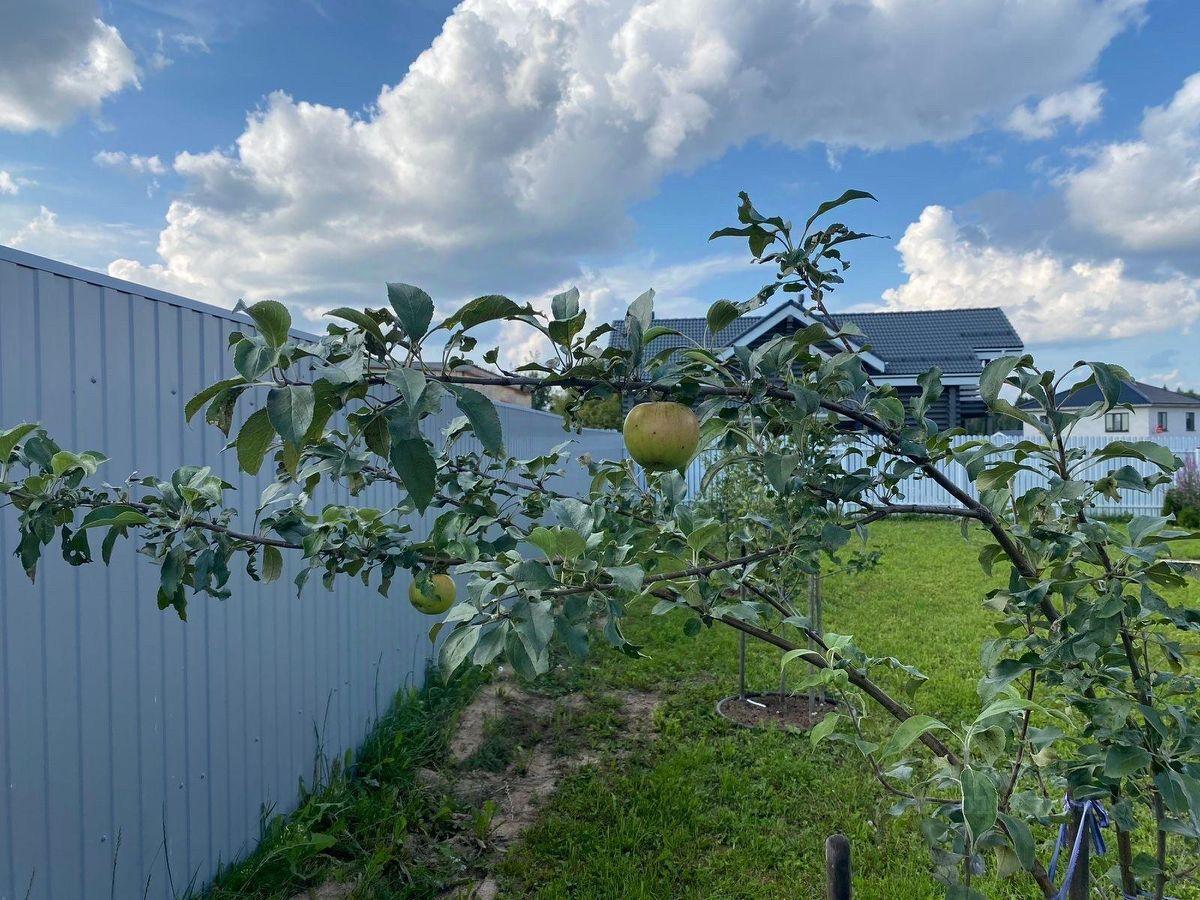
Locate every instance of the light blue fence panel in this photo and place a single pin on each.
(119, 722)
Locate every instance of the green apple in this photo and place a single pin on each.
(440, 598)
(661, 436)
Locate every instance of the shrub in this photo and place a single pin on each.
(1183, 498)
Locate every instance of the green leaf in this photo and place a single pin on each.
(481, 413)
(566, 304)
(825, 728)
(414, 308)
(253, 358)
(1122, 761)
(410, 383)
(563, 331)
(834, 204)
(416, 468)
(979, 801)
(1142, 527)
(253, 439)
(272, 320)
(460, 642)
(272, 563)
(1108, 379)
(534, 575)
(115, 515)
(1021, 838)
(196, 403)
(627, 578)
(359, 318)
(991, 379)
(62, 462)
(290, 409)
(721, 314)
(1149, 451)
(998, 476)
(9, 439)
(641, 310)
(910, 729)
(485, 309)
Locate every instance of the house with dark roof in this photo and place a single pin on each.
(1152, 411)
(896, 348)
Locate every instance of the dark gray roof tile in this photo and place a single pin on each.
(910, 342)
(1135, 393)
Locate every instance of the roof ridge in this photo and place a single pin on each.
(905, 312)
(1134, 386)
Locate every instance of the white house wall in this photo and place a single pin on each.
(1142, 421)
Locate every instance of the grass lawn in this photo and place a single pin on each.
(715, 811)
(702, 810)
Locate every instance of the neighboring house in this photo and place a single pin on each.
(1154, 411)
(897, 347)
(502, 393)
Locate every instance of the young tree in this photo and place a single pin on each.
(1085, 691)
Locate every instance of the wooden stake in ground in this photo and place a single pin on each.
(837, 867)
(817, 627)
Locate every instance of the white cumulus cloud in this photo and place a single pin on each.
(1047, 298)
(80, 242)
(57, 61)
(1145, 193)
(1078, 106)
(606, 292)
(133, 162)
(518, 140)
(8, 184)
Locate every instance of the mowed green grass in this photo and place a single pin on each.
(710, 810)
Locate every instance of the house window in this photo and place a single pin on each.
(1116, 421)
(1189, 421)
(1162, 423)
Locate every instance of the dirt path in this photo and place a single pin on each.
(511, 749)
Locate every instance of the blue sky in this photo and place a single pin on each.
(1044, 157)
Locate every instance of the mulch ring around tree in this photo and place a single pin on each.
(792, 711)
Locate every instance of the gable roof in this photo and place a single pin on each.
(908, 342)
(1135, 393)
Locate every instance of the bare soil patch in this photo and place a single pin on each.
(513, 748)
(784, 710)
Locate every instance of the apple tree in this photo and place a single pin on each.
(1086, 691)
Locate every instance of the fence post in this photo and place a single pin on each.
(837, 867)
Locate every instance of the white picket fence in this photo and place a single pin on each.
(918, 489)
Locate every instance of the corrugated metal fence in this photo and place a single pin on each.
(917, 489)
(119, 723)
